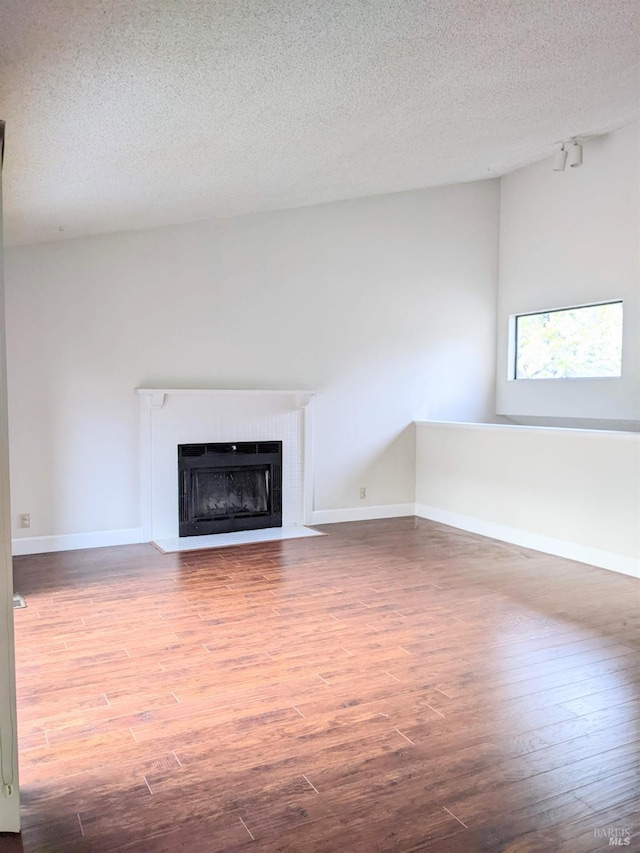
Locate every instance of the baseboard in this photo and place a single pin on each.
(74, 541)
(365, 513)
(525, 539)
(537, 542)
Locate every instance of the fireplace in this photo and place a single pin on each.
(170, 418)
(226, 487)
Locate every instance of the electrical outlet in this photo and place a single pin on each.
(363, 493)
(25, 520)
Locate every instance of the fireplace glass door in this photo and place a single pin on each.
(231, 492)
(227, 487)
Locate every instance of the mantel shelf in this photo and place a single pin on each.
(225, 391)
(158, 395)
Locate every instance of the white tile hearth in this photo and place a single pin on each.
(242, 537)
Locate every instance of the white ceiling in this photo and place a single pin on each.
(131, 113)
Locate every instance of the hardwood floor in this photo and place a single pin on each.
(392, 686)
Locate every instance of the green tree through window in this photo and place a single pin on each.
(573, 343)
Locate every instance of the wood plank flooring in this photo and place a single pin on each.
(392, 686)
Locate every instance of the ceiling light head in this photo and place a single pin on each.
(575, 154)
(560, 159)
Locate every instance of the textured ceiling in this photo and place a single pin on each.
(130, 113)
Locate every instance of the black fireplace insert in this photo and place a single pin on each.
(228, 487)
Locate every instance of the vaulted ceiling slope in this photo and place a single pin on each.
(124, 114)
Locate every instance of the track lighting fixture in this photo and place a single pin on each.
(571, 152)
(575, 155)
(560, 160)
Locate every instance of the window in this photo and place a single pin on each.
(570, 343)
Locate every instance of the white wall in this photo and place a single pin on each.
(568, 238)
(575, 493)
(385, 305)
(9, 802)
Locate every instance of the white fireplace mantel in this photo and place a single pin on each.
(172, 416)
(158, 395)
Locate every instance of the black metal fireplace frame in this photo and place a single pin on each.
(224, 457)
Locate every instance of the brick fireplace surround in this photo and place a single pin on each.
(169, 417)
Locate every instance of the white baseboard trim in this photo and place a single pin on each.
(365, 513)
(74, 541)
(537, 542)
(525, 539)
